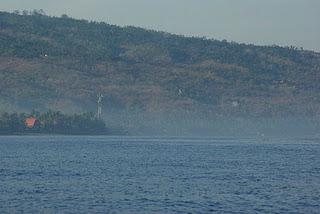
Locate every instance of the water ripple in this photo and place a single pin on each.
(158, 175)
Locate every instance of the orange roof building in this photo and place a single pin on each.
(31, 122)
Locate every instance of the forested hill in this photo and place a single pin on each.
(63, 63)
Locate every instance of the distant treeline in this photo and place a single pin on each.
(51, 123)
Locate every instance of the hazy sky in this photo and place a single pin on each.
(282, 22)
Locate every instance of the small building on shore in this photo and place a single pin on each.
(32, 122)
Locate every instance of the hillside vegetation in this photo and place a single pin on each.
(63, 63)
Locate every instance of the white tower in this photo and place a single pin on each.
(99, 102)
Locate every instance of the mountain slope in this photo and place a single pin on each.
(62, 63)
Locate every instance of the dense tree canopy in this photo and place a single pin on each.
(51, 123)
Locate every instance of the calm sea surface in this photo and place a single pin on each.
(158, 175)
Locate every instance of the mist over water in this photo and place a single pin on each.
(182, 123)
(197, 123)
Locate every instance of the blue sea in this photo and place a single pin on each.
(66, 174)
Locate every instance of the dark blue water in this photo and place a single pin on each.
(146, 175)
